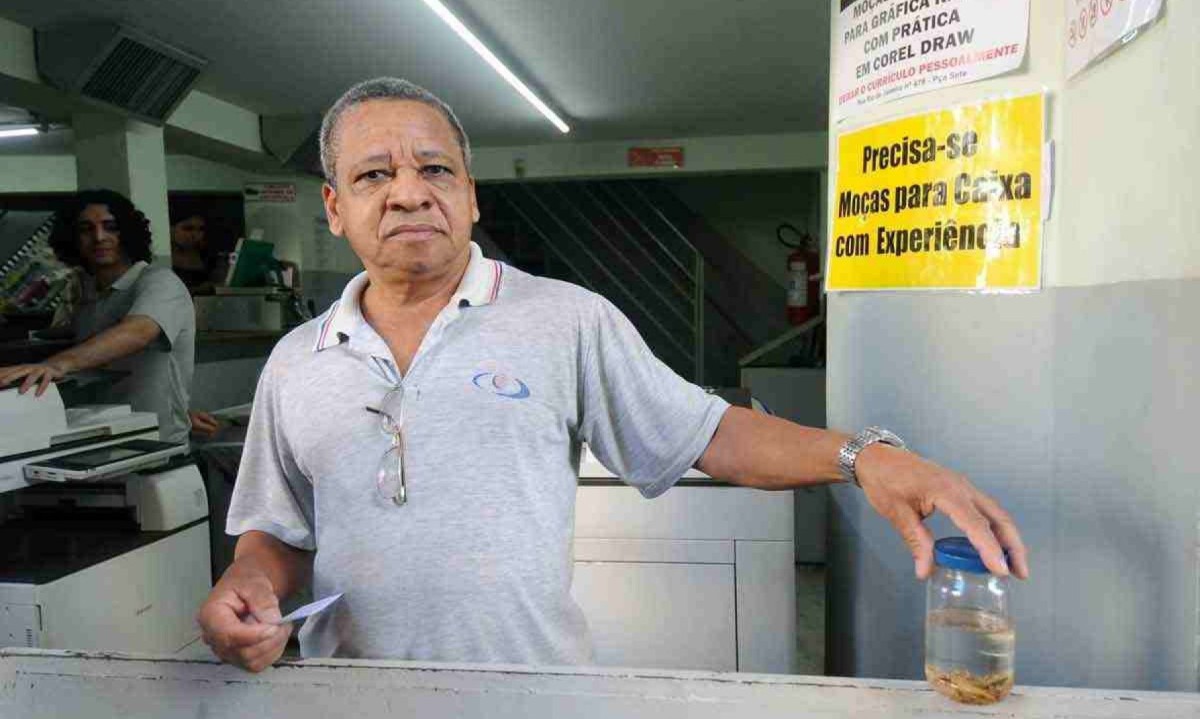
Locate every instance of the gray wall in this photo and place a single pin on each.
(1077, 408)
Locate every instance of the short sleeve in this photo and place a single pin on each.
(163, 297)
(643, 421)
(271, 494)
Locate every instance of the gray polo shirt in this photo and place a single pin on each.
(160, 376)
(513, 374)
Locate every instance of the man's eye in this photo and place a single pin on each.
(373, 175)
(436, 170)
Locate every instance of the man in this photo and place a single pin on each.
(416, 446)
(135, 318)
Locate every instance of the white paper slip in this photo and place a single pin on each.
(310, 609)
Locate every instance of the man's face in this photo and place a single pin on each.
(99, 238)
(404, 199)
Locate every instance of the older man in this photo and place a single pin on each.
(415, 447)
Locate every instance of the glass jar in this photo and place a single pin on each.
(969, 635)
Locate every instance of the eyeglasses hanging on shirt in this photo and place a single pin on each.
(389, 476)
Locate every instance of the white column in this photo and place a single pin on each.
(127, 156)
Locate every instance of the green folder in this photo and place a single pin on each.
(250, 263)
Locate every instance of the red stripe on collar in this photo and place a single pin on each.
(497, 273)
(328, 322)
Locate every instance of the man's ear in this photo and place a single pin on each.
(329, 198)
(474, 203)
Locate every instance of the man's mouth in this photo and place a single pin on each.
(419, 231)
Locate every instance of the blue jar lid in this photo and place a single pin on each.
(958, 553)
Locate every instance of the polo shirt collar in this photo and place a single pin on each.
(131, 275)
(91, 292)
(479, 286)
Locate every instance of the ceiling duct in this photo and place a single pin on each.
(118, 66)
(294, 141)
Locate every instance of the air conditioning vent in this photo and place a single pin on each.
(141, 80)
(118, 66)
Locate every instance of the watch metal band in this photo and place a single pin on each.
(848, 455)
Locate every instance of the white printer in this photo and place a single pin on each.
(104, 532)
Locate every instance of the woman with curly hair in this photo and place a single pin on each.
(135, 317)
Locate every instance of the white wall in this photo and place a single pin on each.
(214, 118)
(1134, 117)
(37, 173)
(297, 228)
(17, 51)
(195, 174)
(564, 160)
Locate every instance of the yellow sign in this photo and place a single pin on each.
(946, 200)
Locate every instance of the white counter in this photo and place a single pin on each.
(591, 468)
(44, 684)
(702, 577)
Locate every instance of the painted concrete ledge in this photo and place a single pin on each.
(55, 683)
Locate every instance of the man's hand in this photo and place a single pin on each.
(752, 449)
(236, 621)
(906, 489)
(204, 424)
(31, 374)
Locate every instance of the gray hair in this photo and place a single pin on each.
(382, 88)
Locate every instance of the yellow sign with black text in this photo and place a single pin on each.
(950, 199)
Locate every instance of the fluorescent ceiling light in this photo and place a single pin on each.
(19, 132)
(486, 54)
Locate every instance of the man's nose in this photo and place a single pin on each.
(409, 192)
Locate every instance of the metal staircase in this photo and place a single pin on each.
(697, 302)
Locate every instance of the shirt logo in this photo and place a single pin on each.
(490, 377)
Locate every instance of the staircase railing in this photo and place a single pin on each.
(600, 237)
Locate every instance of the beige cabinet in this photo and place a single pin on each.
(702, 577)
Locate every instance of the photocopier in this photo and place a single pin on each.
(104, 530)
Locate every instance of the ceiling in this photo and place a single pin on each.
(617, 69)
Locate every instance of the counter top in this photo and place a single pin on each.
(55, 683)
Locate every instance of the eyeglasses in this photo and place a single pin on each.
(389, 476)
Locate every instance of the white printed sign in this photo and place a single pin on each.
(1097, 27)
(889, 49)
(270, 192)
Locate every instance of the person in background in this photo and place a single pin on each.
(190, 256)
(192, 260)
(135, 317)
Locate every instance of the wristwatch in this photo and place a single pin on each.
(848, 454)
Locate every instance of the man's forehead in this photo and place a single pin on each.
(415, 120)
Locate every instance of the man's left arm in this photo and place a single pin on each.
(132, 334)
(753, 449)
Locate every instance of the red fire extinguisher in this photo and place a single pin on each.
(804, 275)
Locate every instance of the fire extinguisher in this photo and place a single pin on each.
(804, 275)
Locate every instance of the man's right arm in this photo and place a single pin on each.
(237, 619)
